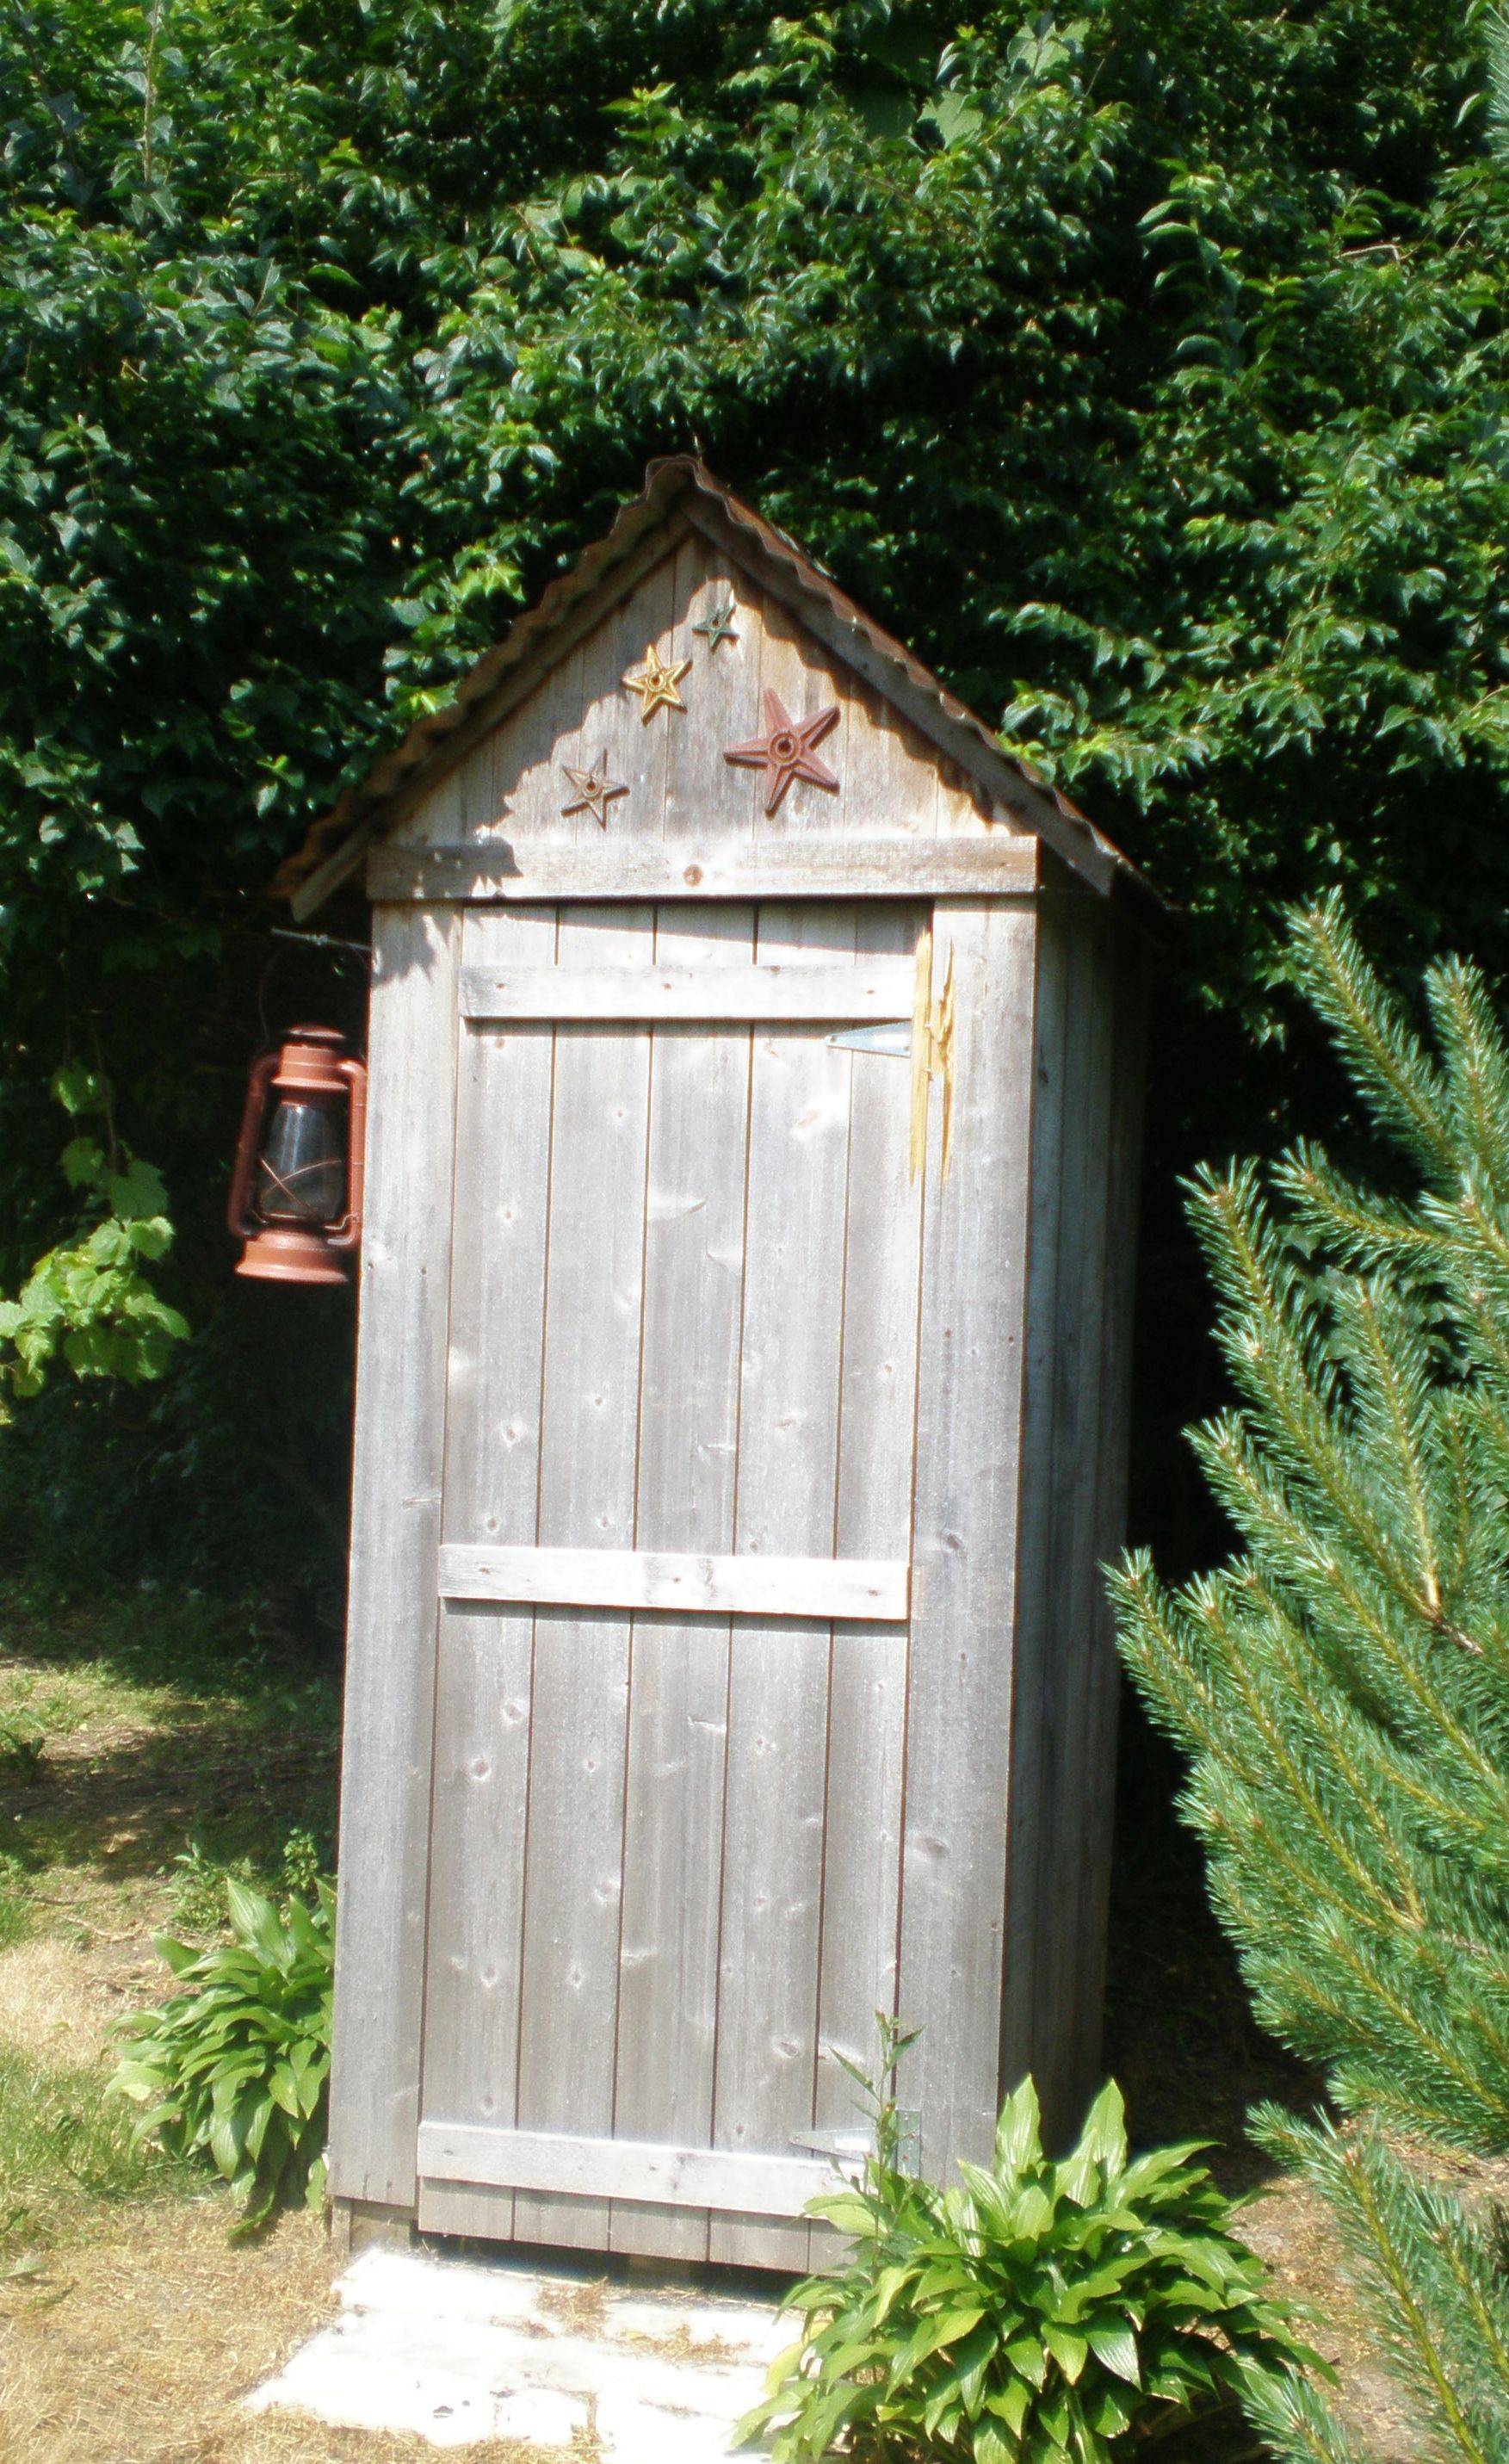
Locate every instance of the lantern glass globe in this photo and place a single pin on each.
(302, 1173)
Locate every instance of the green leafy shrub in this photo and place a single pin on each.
(236, 2062)
(89, 1300)
(303, 1864)
(201, 1880)
(1038, 2311)
(199, 1889)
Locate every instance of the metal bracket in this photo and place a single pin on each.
(851, 2146)
(892, 1036)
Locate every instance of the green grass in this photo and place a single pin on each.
(15, 1904)
(150, 1744)
(201, 1732)
(65, 2144)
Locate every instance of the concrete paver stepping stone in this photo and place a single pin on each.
(459, 2351)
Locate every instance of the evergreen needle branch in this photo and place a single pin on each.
(1342, 1687)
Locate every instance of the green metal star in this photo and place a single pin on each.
(717, 626)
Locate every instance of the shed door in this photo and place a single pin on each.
(674, 1577)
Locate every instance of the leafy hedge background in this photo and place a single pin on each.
(1145, 368)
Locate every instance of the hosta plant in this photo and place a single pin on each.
(236, 2061)
(1038, 2311)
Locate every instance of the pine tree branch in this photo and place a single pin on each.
(1478, 1086)
(1281, 1762)
(1386, 1061)
(1259, 1508)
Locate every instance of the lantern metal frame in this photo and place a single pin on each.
(311, 1065)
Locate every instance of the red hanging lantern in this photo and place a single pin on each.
(296, 1193)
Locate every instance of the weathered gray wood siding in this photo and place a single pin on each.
(395, 1529)
(1086, 1134)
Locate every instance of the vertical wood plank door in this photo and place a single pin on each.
(673, 1571)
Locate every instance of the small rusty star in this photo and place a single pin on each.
(784, 752)
(595, 789)
(717, 626)
(655, 683)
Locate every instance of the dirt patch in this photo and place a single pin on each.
(578, 2303)
(59, 1999)
(682, 2346)
(1291, 2229)
(139, 2348)
(119, 1800)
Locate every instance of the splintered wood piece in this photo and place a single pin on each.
(785, 750)
(656, 682)
(921, 1054)
(932, 1057)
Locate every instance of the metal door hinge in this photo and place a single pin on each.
(851, 2144)
(892, 1036)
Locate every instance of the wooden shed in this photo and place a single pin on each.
(755, 1062)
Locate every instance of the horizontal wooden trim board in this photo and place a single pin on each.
(621, 2168)
(876, 988)
(999, 866)
(650, 1578)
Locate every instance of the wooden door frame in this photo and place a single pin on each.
(966, 1514)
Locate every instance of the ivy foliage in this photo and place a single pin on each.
(327, 333)
(90, 1301)
(1143, 364)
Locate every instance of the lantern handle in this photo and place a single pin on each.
(238, 1209)
(348, 1233)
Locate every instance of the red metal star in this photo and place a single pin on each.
(784, 752)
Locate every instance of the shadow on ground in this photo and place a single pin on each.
(1180, 2036)
(126, 1806)
(148, 1723)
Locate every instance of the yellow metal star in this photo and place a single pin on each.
(655, 683)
